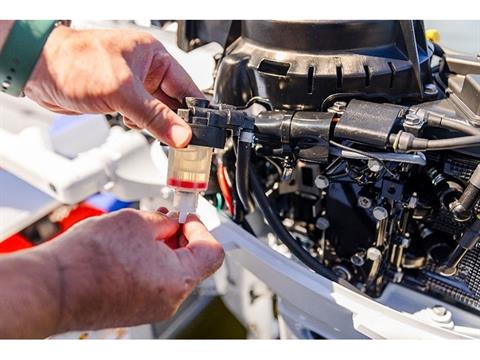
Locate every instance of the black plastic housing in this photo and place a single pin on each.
(368, 122)
(305, 65)
(306, 133)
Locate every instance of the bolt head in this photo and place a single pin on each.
(374, 165)
(337, 107)
(358, 259)
(322, 223)
(321, 182)
(412, 119)
(430, 89)
(380, 213)
(342, 272)
(364, 202)
(373, 254)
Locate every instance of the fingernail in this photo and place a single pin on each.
(173, 214)
(180, 134)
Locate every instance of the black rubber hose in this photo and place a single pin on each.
(441, 121)
(453, 143)
(462, 207)
(285, 237)
(422, 144)
(242, 170)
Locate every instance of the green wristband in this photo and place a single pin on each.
(20, 53)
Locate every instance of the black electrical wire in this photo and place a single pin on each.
(238, 213)
(285, 237)
(273, 163)
(242, 170)
(350, 95)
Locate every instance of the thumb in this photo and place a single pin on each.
(163, 226)
(203, 253)
(147, 112)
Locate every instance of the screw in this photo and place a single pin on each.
(364, 202)
(322, 223)
(321, 182)
(430, 90)
(380, 213)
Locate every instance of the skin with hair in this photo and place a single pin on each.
(129, 267)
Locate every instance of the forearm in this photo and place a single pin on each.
(30, 295)
(5, 26)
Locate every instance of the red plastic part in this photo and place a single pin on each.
(14, 243)
(191, 185)
(83, 211)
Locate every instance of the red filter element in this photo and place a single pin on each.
(188, 185)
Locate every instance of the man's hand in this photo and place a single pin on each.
(106, 71)
(125, 268)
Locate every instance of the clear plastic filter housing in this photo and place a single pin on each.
(188, 174)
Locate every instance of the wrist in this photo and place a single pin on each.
(82, 287)
(50, 52)
(5, 27)
(31, 299)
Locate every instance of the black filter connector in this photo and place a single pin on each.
(210, 124)
(304, 132)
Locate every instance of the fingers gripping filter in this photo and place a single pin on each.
(188, 174)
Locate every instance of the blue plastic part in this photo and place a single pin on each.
(64, 121)
(107, 202)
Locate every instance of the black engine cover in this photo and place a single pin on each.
(301, 64)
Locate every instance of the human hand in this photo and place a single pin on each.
(118, 270)
(105, 71)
